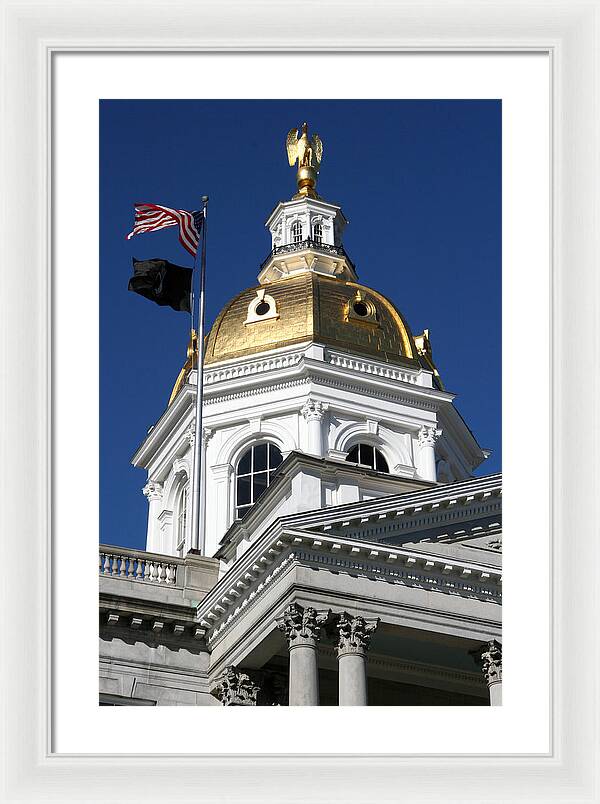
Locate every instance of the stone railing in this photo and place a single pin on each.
(138, 565)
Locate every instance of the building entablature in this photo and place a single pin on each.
(474, 513)
(281, 374)
(280, 548)
(454, 511)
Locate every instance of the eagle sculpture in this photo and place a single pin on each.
(307, 150)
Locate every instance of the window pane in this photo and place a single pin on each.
(243, 491)
(260, 457)
(367, 456)
(245, 464)
(259, 484)
(353, 455)
(275, 456)
(380, 462)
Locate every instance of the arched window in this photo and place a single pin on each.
(318, 233)
(255, 469)
(181, 521)
(296, 232)
(366, 455)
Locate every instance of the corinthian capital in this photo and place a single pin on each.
(489, 657)
(235, 688)
(428, 435)
(190, 434)
(354, 633)
(302, 625)
(153, 490)
(313, 410)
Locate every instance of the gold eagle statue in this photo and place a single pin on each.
(308, 152)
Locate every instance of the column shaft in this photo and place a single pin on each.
(315, 440)
(352, 679)
(427, 463)
(304, 675)
(496, 694)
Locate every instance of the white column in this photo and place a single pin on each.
(313, 412)
(489, 657)
(428, 435)
(354, 637)
(302, 627)
(153, 491)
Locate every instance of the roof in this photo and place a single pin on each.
(313, 307)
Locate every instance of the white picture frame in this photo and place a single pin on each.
(568, 31)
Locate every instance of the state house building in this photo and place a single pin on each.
(349, 556)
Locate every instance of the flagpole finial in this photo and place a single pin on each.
(308, 152)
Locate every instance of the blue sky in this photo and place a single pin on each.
(419, 181)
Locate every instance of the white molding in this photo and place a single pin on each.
(31, 33)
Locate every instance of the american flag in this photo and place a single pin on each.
(151, 217)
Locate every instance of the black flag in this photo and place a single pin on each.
(162, 282)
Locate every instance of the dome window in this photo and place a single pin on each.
(360, 308)
(369, 456)
(254, 473)
(318, 233)
(296, 232)
(261, 308)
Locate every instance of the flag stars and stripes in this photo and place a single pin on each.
(152, 217)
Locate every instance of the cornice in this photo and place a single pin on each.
(264, 561)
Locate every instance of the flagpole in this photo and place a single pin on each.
(197, 541)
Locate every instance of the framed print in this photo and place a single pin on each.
(319, 610)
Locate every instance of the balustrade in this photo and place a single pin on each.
(140, 566)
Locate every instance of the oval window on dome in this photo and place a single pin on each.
(369, 456)
(262, 308)
(360, 308)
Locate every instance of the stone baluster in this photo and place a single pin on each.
(123, 569)
(302, 627)
(354, 638)
(314, 412)
(106, 569)
(428, 435)
(139, 570)
(489, 657)
(235, 688)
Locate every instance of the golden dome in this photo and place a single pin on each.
(311, 307)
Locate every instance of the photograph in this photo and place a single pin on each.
(300, 402)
